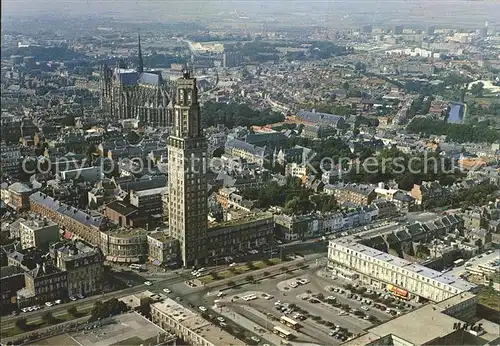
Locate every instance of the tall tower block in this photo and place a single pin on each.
(187, 184)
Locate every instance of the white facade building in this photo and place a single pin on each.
(89, 174)
(400, 277)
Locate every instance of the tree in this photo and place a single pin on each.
(231, 283)
(48, 317)
(73, 311)
(479, 243)
(145, 307)
(133, 137)
(345, 86)
(477, 89)
(250, 278)
(21, 323)
(106, 309)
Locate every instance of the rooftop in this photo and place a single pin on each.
(447, 279)
(196, 323)
(149, 192)
(242, 219)
(161, 236)
(37, 224)
(125, 329)
(126, 232)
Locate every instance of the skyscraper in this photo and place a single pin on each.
(187, 184)
(135, 93)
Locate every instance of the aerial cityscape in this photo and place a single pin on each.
(221, 173)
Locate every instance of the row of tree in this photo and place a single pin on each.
(460, 133)
(233, 114)
(405, 169)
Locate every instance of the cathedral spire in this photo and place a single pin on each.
(140, 63)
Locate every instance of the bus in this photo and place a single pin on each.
(284, 334)
(459, 262)
(287, 321)
(139, 267)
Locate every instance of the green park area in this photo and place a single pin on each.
(23, 325)
(240, 269)
(488, 297)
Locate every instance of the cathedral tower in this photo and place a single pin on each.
(187, 184)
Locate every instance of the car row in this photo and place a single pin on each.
(56, 302)
(32, 308)
(249, 297)
(76, 297)
(297, 283)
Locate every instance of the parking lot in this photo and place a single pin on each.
(328, 311)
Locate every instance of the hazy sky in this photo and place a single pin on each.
(476, 11)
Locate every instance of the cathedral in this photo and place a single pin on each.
(136, 94)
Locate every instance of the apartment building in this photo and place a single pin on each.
(295, 227)
(83, 264)
(162, 249)
(73, 221)
(246, 151)
(43, 284)
(19, 196)
(124, 245)
(398, 276)
(295, 170)
(428, 190)
(243, 231)
(352, 193)
(38, 233)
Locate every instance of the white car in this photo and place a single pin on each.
(148, 283)
(202, 308)
(220, 319)
(49, 304)
(343, 313)
(267, 296)
(25, 309)
(166, 290)
(221, 294)
(366, 308)
(293, 285)
(233, 265)
(57, 302)
(72, 298)
(254, 338)
(194, 272)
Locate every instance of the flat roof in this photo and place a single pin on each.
(428, 318)
(196, 323)
(240, 220)
(125, 329)
(126, 232)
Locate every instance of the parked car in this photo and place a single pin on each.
(72, 298)
(166, 290)
(202, 308)
(148, 283)
(48, 303)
